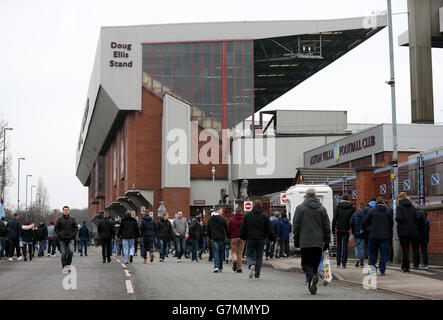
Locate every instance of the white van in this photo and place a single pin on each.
(295, 195)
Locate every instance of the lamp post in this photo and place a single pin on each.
(32, 187)
(4, 162)
(213, 187)
(394, 161)
(18, 185)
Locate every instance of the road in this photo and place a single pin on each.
(42, 279)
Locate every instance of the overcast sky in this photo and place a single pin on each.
(48, 48)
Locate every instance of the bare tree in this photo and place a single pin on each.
(40, 208)
(6, 179)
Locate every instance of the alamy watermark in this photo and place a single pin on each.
(205, 146)
(370, 280)
(70, 281)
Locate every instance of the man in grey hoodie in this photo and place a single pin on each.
(181, 231)
(312, 233)
(51, 240)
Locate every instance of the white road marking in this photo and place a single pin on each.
(127, 273)
(118, 260)
(129, 286)
(123, 266)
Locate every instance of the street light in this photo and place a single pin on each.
(394, 135)
(4, 162)
(18, 185)
(213, 187)
(31, 200)
(26, 203)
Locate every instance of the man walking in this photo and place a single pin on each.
(83, 234)
(65, 229)
(106, 233)
(380, 222)
(312, 233)
(283, 234)
(14, 228)
(195, 235)
(42, 238)
(51, 240)
(164, 234)
(180, 228)
(3, 237)
(410, 225)
(217, 228)
(255, 229)
(128, 232)
(237, 244)
(147, 231)
(359, 235)
(275, 228)
(341, 223)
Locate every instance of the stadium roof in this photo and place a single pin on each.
(285, 54)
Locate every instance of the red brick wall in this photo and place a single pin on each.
(176, 199)
(365, 185)
(143, 152)
(201, 170)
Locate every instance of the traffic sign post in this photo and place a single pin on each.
(247, 206)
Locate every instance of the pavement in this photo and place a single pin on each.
(196, 281)
(42, 278)
(419, 284)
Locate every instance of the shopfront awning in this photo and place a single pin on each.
(115, 209)
(127, 203)
(141, 197)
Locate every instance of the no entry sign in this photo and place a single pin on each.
(247, 205)
(282, 199)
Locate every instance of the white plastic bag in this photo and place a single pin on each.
(326, 274)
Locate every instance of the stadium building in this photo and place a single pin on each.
(151, 83)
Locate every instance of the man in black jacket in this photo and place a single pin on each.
(14, 228)
(217, 228)
(195, 235)
(256, 230)
(42, 238)
(380, 223)
(312, 234)
(341, 223)
(410, 225)
(65, 229)
(106, 233)
(164, 234)
(3, 237)
(128, 232)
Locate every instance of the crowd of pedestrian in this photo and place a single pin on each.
(19, 242)
(245, 235)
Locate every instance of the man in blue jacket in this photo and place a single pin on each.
(275, 228)
(147, 231)
(283, 234)
(83, 234)
(380, 223)
(359, 235)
